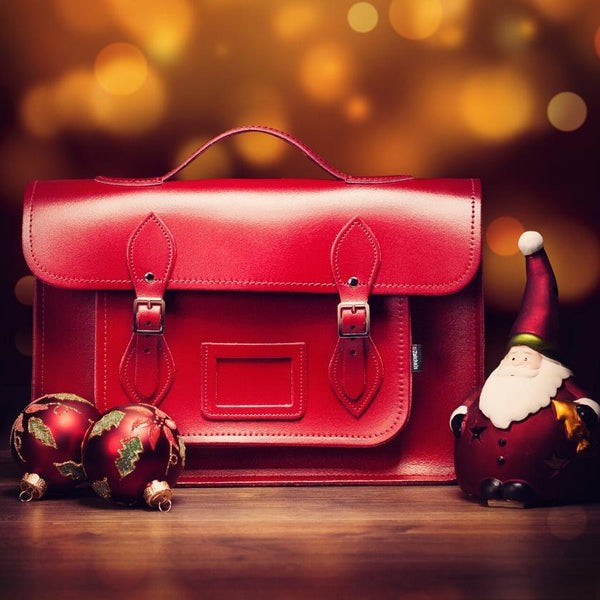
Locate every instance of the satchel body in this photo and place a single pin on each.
(297, 330)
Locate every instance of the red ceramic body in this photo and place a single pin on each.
(129, 447)
(535, 451)
(46, 439)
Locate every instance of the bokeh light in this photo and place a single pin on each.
(38, 112)
(24, 290)
(85, 16)
(515, 30)
(24, 342)
(22, 161)
(357, 109)
(259, 104)
(134, 113)
(558, 10)
(326, 72)
(74, 94)
(294, 20)
(502, 235)
(162, 28)
(214, 163)
(121, 69)
(574, 251)
(567, 111)
(496, 104)
(416, 19)
(362, 17)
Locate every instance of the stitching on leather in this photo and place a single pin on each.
(154, 219)
(397, 286)
(356, 408)
(125, 370)
(43, 340)
(279, 415)
(105, 352)
(403, 315)
(168, 358)
(357, 222)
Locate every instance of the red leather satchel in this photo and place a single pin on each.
(297, 330)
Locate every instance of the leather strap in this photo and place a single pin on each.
(147, 368)
(356, 368)
(286, 137)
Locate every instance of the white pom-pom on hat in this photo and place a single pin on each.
(530, 242)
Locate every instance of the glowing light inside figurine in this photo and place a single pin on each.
(567, 111)
(363, 17)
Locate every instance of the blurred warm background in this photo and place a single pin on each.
(507, 91)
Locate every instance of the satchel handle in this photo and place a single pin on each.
(292, 141)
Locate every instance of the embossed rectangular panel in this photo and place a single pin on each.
(253, 381)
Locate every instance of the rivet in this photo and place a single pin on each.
(149, 277)
(353, 281)
(500, 460)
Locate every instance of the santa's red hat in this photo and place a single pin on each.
(537, 321)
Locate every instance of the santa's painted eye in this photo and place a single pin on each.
(525, 359)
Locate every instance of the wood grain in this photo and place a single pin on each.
(296, 543)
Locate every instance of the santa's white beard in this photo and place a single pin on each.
(513, 393)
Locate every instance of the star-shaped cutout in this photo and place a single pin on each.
(556, 463)
(476, 432)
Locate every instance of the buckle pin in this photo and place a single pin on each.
(149, 303)
(354, 308)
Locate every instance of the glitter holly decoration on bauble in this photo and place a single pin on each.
(134, 453)
(46, 444)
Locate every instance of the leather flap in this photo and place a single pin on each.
(256, 235)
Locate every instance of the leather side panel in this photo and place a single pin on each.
(63, 342)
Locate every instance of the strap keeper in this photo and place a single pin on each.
(360, 315)
(149, 323)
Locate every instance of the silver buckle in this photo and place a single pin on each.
(149, 302)
(354, 307)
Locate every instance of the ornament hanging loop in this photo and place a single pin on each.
(26, 496)
(158, 494)
(33, 487)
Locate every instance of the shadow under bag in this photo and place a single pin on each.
(296, 330)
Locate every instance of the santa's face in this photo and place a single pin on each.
(523, 383)
(521, 356)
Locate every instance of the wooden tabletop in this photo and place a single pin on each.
(296, 543)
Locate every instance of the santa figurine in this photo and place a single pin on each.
(529, 435)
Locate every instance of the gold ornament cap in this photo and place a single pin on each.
(33, 487)
(158, 494)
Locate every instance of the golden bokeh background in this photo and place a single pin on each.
(507, 91)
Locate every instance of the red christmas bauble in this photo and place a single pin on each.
(134, 452)
(46, 443)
